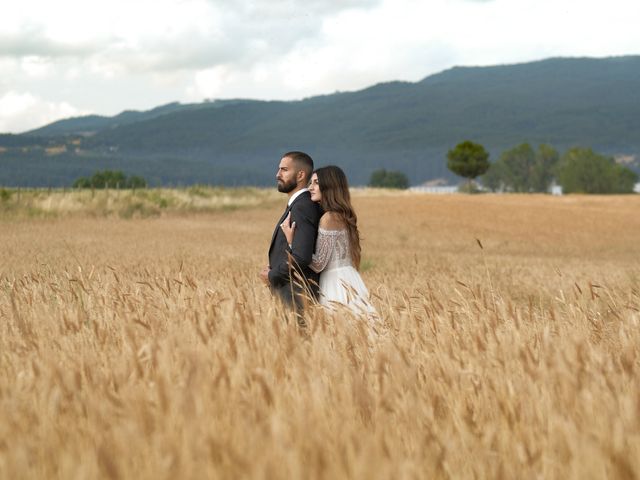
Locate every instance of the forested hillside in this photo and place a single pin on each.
(403, 126)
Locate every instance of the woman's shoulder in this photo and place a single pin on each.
(331, 221)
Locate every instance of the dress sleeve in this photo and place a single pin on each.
(325, 244)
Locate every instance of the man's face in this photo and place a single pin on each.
(286, 175)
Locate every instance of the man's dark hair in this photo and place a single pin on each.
(302, 161)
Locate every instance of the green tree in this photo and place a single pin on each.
(136, 181)
(388, 179)
(5, 195)
(494, 178)
(82, 182)
(469, 160)
(519, 165)
(581, 170)
(626, 179)
(110, 179)
(542, 173)
(521, 169)
(378, 178)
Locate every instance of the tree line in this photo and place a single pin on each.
(384, 178)
(110, 179)
(519, 169)
(525, 169)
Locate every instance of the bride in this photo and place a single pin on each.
(337, 252)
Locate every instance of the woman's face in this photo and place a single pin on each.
(314, 189)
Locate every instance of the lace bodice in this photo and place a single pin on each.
(332, 250)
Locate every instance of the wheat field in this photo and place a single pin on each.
(146, 347)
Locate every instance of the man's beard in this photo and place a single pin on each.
(286, 187)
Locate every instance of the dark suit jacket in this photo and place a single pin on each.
(283, 263)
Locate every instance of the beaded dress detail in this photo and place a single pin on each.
(332, 250)
(340, 282)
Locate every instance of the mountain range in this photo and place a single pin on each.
(406, 126)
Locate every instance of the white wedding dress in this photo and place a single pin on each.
(340, 282)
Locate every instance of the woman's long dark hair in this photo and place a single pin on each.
(336, 198)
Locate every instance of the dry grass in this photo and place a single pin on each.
(141, 203)
(148, 348)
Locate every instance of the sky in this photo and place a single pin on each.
(77, 57)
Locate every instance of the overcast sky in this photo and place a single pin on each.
(72, 57)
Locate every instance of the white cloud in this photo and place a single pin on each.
(409, 39)
(35, 66)
(209, 83)
(110, 56)
(22, 111)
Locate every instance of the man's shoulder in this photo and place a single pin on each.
(302, 200)
(304, 204)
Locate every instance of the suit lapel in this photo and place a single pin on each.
(275, 230)
(284, 215)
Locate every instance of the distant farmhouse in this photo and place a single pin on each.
(439, 186)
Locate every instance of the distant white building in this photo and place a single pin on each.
(636, 188)
(555, 189)
(437, 190)
(438, 186)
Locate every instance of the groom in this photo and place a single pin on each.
(288, 274)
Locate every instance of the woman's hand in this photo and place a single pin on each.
(288, 228)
